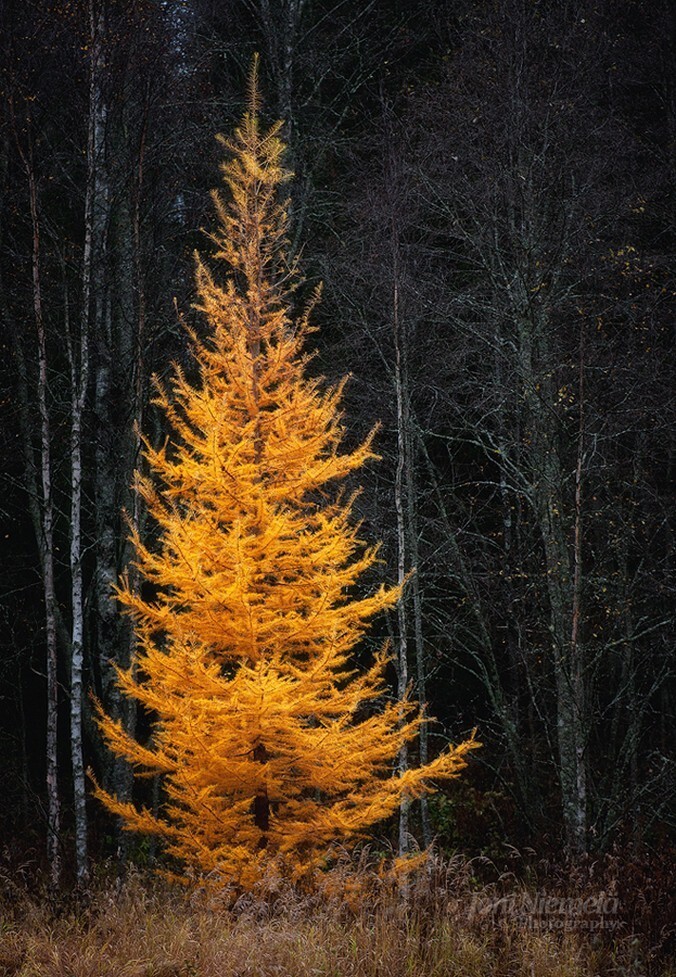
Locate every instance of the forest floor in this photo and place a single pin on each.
(447, 924)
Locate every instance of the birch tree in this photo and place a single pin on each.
(44, 507)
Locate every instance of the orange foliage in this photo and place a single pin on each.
(263, 731)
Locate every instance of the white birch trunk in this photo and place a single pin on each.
(47, 552)
(42, 510)
(78, 395)
(79, 370)
(416, 594)
(399, 504)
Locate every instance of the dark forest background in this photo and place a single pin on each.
(485, 191)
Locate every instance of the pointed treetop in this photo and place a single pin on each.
(253, 87)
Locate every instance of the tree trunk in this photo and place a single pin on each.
(78, 395)
(562, 582)
(41, 506)
(416, 595)
(79, 364)
(47, 549)
(399, 504)
(261, 802)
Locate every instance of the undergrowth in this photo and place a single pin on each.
(441, 923)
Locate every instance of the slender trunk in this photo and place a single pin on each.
(100, 323)
(79, 368)
(576, 656)
(137, 413)
(131, 336)
(625, 726)
(106, 474)
(416, 595)
(261, 802)
(411, 539)
(548, 476)
(78, 395)
(399, 493)
(47, 509)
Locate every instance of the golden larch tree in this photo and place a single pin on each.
(265, 732)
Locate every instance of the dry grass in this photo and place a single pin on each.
(145, 930)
